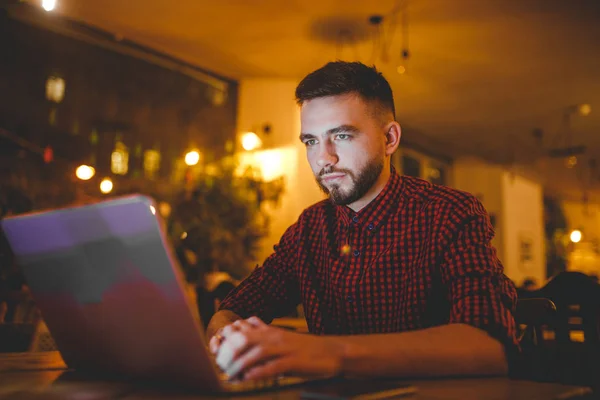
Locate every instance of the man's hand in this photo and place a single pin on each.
(250, 349)
(221, 319)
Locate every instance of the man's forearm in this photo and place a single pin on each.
(455, 349)
(219, 320)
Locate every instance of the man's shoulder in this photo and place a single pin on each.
(316, 210)
(308, 219)
(433, 195)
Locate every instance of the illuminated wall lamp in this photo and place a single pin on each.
(251, 141)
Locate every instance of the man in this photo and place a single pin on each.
(397, 276)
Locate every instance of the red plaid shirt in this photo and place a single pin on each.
(417, 256)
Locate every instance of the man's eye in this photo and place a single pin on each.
(343, 136)
(310, 142)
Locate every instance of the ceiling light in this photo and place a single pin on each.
(48, 5)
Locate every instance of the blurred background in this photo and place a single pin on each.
(192, 103)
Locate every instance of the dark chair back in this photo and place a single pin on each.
(572, 339)
(577, 299)
(534, 317)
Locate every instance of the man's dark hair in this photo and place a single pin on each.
(341, 77)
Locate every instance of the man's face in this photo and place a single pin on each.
(345, 145)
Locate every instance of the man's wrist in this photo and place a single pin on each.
(338, 350)
(221, 319)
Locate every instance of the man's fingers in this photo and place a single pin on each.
(228, 330)
(239, 325)
(256, 355)
(214, 343)
(270, 369)
(256, 322)
(231, 348)
(225, 332)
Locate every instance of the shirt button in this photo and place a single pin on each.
(350, 299)
(371, 226)
(355, 218)
(356, 253)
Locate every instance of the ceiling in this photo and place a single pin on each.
(481, 76)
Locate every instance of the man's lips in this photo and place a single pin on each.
(332, 176)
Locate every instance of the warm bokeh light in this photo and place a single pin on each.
(251, 141)
(401, 70)
(164, 209)
(576, 236)
(192, 158)
(585, 109)
(269, 164)
(85, 172)
(106, 186)
(48, 5)
(119, 159)
(55, 89)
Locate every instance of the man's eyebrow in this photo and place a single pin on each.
(332, 131)
(306, 136)
(343, 128)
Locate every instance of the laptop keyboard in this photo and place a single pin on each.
(254, 385)
(261, 384)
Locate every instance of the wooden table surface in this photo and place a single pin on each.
(42, 376)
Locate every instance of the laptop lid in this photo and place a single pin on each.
(110, 291)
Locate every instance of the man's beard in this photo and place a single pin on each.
(361, 184)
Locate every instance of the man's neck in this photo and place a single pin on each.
(383, 179)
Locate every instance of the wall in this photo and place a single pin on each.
(516, 205)
(584, 256)
(271, 102)
(523, 218)
(584, 218)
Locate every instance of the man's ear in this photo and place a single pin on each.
(392, 137)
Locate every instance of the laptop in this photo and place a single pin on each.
(111, 292)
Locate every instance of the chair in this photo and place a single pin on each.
(577, 298)
(576, 327)
(534, 317)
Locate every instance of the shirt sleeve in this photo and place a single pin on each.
(271, 291)
(478, 291)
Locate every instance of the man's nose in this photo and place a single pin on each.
(327, 156)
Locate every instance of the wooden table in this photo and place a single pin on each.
(38, 376)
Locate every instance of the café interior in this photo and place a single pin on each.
(192, 104)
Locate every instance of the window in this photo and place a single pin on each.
(55, 89)
(151, 163)
(119, 159)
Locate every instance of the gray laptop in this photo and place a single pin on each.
(112, 295)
